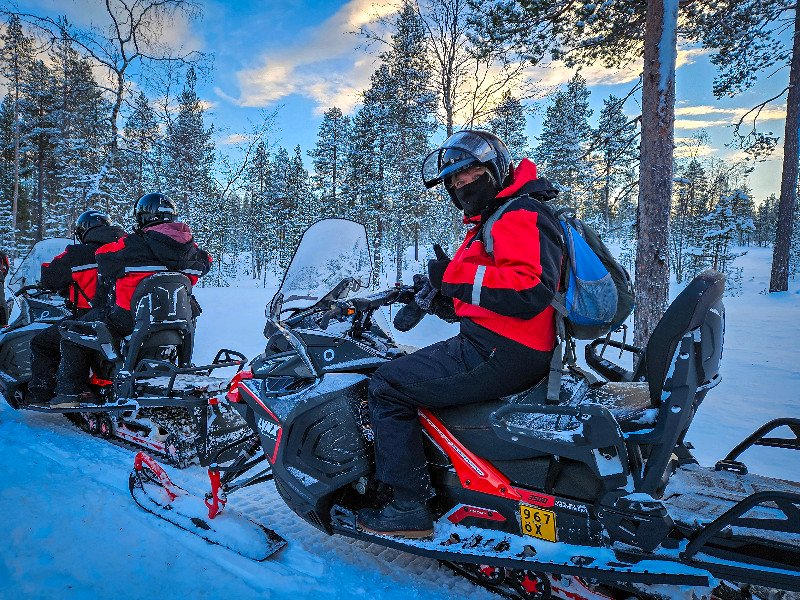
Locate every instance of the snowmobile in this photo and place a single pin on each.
(151, 395)
(594, 496)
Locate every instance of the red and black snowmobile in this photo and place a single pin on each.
(596, 495)
(153, 397)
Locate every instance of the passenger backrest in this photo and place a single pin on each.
(162, 316)
(683, 359)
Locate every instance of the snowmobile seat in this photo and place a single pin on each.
(162, 316)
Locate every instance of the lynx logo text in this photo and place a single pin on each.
(268, 428)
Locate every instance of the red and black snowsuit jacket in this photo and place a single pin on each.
(4, 265)
(73, 273)
(164, 247)
(509, 291)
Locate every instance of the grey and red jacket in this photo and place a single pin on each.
(73, 273)
(163, 247)
(509, 291)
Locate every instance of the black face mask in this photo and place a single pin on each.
(475, 197)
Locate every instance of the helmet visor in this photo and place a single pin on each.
(459, 151)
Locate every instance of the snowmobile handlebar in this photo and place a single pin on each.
(27, 288)
(364, 306)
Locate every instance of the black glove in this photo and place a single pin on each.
(437, 266)
(408, 317)
(442, 307)
(412, 313)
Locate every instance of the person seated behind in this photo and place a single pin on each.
(4, 267)
(72, 274)
(507, 325)
(159, 243)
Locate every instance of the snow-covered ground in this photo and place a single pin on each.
(70, 529)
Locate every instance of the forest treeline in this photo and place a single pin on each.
(70, 141)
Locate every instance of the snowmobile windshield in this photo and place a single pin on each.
(329, 252)
(29, 270)
(459, 151)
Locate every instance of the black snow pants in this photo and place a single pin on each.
(73, 371)
(462, 370)
(45, 356)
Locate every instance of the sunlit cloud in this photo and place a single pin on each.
(722, 117)
(323, 64)
(693, 151)
(555, 74)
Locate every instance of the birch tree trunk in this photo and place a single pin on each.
(655, 173)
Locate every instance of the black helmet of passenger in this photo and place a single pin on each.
(465, 149)
(154, 208)
(89, 220)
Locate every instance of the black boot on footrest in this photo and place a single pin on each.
(403, 518)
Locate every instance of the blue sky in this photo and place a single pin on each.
(300, 57)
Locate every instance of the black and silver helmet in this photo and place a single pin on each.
(465, 149)
(154, 208)
(89, 220)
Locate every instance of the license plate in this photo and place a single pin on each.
(538, 523)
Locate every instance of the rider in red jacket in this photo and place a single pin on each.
(159, 243)
(73, 274)
(501, 286)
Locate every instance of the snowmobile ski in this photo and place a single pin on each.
(152, 490)
(83, 408)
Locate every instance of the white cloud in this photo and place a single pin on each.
(233, 139)
(323, 65)
(721, 117)
(555, 74)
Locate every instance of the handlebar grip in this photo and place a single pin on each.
(440, 254)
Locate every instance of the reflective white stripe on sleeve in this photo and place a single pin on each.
(145, 269)
(192, 272)
(477, 284)
(84, 267)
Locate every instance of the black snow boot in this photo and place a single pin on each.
(403, 518)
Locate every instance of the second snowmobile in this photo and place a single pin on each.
(596, 495)
(153, 397)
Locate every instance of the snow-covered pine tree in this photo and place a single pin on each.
(300, 199)
(39, 132)
(507, 122)
(688, 207)
(81, 120)
(616, 145)
(281, 211)
(141, 137)
(410, 106)
(367, 164)
(724, 226)
(190, 162)
(765, 222)
(190, 155)
(329, 157)
(257, 224)
(564, 143)
(16, 57)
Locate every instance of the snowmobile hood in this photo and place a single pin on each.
(170, 243)
(103, 234)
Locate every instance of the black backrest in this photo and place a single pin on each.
(683, 359)
(162, 316)
(687, 312)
